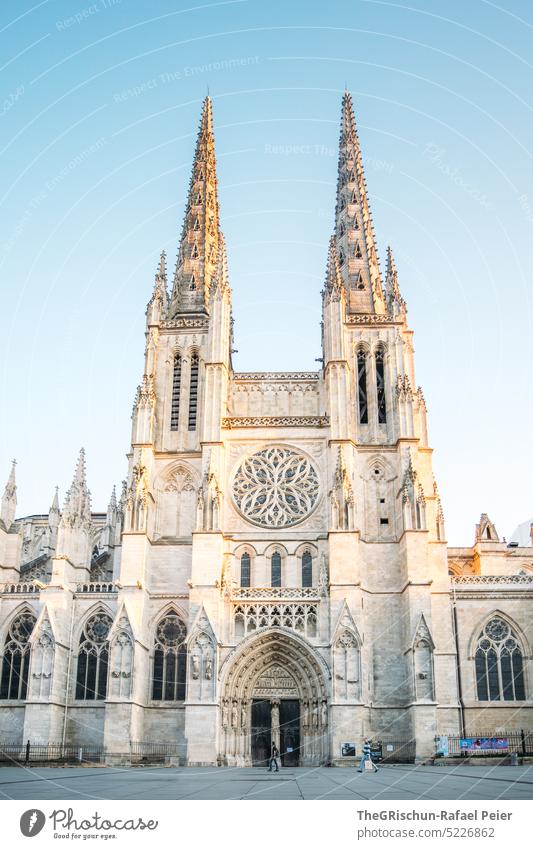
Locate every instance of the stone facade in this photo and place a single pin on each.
(276, 566)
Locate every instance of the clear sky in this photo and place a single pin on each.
(100, 108)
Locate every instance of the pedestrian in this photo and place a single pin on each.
(273, 762)
(366, 756)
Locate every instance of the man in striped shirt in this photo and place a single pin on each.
(366, 756)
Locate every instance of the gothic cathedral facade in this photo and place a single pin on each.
(276, 567)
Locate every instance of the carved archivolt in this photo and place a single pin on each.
(244, 668)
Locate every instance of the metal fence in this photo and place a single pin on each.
(491, 744)
(26, 753)
(394, 751)
(146, 752)
(56, 753)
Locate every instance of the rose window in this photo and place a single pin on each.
(276, 487)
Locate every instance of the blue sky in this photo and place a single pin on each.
(100, 107)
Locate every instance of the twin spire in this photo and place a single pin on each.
(198, 252)
(201, 261)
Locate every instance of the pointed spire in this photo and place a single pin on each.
(356, 245)
(112, 508)
(395, 302)
(54, 513)
(157, 307)
(198, 250)
(162, 271)
(9, 499)
(77, 509)
(220, 282)
(334, 286)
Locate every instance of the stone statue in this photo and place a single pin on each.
(275, 721)
(234, 717)
(225, 716)
(243, 715)
(209, 667)
(315, 715)
(195, 666)
(306, 714)
(324, 713)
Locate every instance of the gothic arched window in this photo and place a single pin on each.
(93, 658)
(170, 660)
(361, 388)
(307, 569)
(275, 570)
(16, 660)
(176, 389)
(245, 570)
(380, 386)
(499, 666)
(193, 392)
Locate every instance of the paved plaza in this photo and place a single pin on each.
(392, 782)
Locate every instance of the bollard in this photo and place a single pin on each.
(514, 759)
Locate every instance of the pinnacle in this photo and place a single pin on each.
(11, 484)
(55, 501)
(348, 129)
(162, 269)
(80, 472)
(391, 266)
(113, 499)
(11, 481)
(206, 120)
(333, 277)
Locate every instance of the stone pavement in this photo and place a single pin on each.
(392, 782)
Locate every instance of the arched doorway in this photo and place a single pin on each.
(274, 689)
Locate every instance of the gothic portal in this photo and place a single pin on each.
(275, 568)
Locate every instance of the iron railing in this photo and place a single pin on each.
(15, 753)
(393, 751)
(516, 741)
(138, 753)
(147, 752)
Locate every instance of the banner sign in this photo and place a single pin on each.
(472, 744)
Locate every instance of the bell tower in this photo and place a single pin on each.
(386, 538)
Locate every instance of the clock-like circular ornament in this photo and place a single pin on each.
(276, 487)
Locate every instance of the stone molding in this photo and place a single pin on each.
(178, 323)
(371, 318)
(276, 375)
(275, 421)
(277, 593)
(493, 579)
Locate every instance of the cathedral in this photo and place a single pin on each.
(275, 568)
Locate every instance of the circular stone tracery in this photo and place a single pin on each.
(276, 487)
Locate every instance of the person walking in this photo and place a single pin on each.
(366, 756)
(273, 762)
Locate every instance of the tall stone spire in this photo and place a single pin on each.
(9, 499)
(198, 250)
(356, 245)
